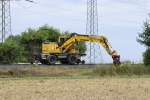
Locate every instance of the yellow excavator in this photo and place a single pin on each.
(66, 51)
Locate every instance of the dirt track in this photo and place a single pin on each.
(75, 89)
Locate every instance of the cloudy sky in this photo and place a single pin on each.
(119, 20)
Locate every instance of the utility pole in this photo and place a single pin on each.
(92, 28)
(5, 19)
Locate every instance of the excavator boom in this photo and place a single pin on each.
(102, 40)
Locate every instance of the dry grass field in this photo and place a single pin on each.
(75, 89)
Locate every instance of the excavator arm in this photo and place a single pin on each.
(89, 38)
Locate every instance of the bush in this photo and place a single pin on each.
(9, 52)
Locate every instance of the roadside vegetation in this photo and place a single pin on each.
(76, 72)
(123, 70)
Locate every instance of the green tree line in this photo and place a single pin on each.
(20, 48)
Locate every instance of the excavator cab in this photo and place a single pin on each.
(62, 39)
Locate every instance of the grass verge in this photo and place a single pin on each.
(77, 73)
(123, 70)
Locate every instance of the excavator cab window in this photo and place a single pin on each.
(62, 39)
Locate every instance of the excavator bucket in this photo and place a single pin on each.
(116, 60)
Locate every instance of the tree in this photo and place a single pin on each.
(146, 57)
(144, 39)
